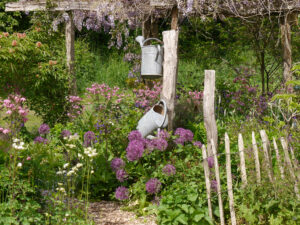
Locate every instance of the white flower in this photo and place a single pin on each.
(70, 173)
(78, 165)
(59, 172)
(60, 184)
(70, 145)
(80, 156)
(66, 165)
(19, 165)
(16, 140)
(73, 137)
(92, 171)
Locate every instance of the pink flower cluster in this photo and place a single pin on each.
(108, 93)
(146, 98)
(76, 107)
(16, 111)
(196, 96)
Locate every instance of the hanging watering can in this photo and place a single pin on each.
(155, 118)
(152, 58)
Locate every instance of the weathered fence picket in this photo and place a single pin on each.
(291, 164)
(278, 159)
(217, 173)
(207, 181)
(229, 180)
(242, 160)
(256, 158)
(265, 143)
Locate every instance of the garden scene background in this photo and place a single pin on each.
(60, 153)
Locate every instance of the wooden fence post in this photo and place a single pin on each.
(289, 165)
(207, 181)
(222, 219)
(256, 158)
(70, 51)
(265, 143)
(278, 159)
(209, 109)
(229, 180)
(242, 163)
(170, 39)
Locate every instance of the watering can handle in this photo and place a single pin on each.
(152, 39)
(165, 112)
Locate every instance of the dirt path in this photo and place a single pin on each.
(110, 213)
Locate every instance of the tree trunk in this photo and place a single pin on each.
(174, 22)
(262, 71)
(285, 29)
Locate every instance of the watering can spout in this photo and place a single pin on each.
(140, 40)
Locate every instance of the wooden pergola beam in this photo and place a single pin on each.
(42, 5)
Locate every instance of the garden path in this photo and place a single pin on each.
(110, 213)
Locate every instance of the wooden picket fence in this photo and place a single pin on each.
(289, 165)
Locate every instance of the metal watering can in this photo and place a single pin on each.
(155, 118)
(152, 58)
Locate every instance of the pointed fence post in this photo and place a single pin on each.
(265, 143)
(278, 159)
(170, 39)
(242, 162)
(217, 172)
(207, 181)
(229, 180)
(256, 158)
(70, 51)
(209, 109)
(289, 165)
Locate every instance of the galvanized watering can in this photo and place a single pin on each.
(155, 118)
(152, 58)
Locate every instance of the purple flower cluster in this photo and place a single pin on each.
(41, 140)
(65, 133)
(169, 170)
(89, 138)
(198, 144)
(214, 185)
(44, 129)
(184, 136)
(121, 175)
(159, 144)
(153, 186)
(135, 150)
(122, 193)
(164, 134)
(210, 161)
(116, 164)
(135, 135)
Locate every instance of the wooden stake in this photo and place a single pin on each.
(209, 109)
(265, 143)
(174, 14)
(278, 159)
(289, 165)
(242, 161)
(207, 181)
(170, 39)
(222, 220)
(70, 47)
(256, 158)
(229, 180)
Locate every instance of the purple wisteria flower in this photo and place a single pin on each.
(116, 164)
(41, 140)
(44, 129)
(169, 170)
(210, 161)
(153, 186)
(184, 136)
(198, 144)
(164, 134)
(121, 175)
(65, 133)
(214, 185)
(89, 138)
(135, 135)
(135, 150)
(122, 193)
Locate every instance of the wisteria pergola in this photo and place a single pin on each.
(286, 10)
